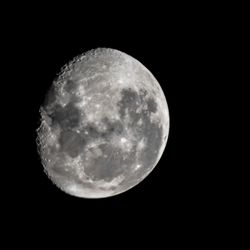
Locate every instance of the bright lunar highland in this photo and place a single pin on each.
(104, 125)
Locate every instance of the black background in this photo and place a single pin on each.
(176, 46)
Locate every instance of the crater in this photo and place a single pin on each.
(126, 143)
(70, 86)
(61, 170)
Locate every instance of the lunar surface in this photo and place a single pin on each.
(104, 125)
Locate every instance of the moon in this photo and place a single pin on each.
(104, 125)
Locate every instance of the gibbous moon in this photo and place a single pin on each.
(104, 125)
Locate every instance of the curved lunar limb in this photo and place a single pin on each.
(104, 125)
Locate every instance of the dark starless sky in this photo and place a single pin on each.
(171, 49)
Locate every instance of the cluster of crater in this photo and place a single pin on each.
(112, 161)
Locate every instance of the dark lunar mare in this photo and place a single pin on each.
(114, 165)
(151, 105)
(150, 131)
(73, 143)
(67, 117)
(105, 168)
(90, 131)
(130, 101)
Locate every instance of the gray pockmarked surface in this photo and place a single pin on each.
(104, 125)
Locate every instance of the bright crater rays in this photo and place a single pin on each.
(104, 125)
